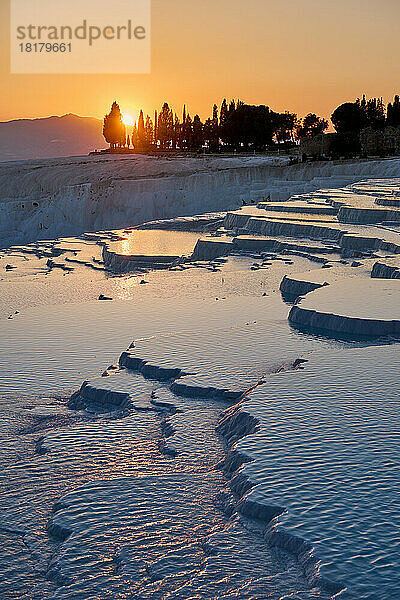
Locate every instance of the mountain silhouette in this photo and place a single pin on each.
(51, 137)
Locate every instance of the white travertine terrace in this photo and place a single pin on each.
(367, 307)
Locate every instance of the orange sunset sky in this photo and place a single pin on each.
(299, 55)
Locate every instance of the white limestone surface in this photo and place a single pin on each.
(334, 271)
(48, 198)
(357, 307)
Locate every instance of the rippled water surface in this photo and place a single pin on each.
(127, 521)
(327, 451)
(55, 348)
(130, 522)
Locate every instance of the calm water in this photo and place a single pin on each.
(156, 242)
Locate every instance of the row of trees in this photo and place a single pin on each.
(354, 116)
(243, 127)
(351, 118)
(235, 126)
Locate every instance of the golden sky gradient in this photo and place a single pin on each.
(300, 55)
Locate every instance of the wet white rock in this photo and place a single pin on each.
(299, 284)
(358, 307)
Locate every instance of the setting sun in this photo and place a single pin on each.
(128, 120)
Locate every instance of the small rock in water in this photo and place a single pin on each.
(112, 368)
(105, 374)
(265, 294)
(299, 361)
(355, 263)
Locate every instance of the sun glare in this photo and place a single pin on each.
(128, 120)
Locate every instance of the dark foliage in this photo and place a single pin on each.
(113, 129)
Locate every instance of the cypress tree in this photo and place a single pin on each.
(140, 131)
(155, 128)
(113, 128)
(149, 132)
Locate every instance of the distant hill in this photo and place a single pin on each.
(50, 137)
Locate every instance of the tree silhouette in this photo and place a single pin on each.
(375, 113)
(113, 129)
(223, 118)
(311, 126)
(197, 136)
(148, 132)
(187, 132)
(155, 127)
(211, 131)
(351, 117)
(176, 132)
(134, 136)
(285, 126)
(165, 126)
(393, 113)
(141, 136)
(243, 127)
